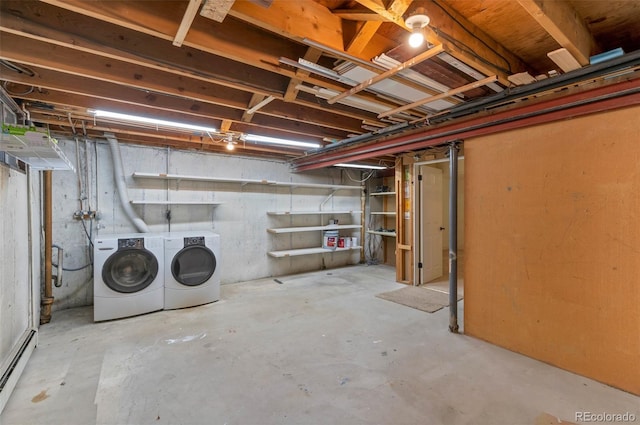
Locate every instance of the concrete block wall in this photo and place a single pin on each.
(241, 219)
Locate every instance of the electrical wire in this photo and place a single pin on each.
(369, 174)
(5, 85)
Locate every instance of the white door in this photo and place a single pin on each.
(429, 221)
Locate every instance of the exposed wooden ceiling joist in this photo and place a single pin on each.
(298, 19)
(562, 22)
(119, 54)
(187, 20)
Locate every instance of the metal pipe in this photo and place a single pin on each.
(453, 237)
(605, 98)
(60, 267)
(118, 176)
(47, 299)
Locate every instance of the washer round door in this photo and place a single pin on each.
(130, 270)
(193, 265)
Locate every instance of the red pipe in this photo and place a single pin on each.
(546, 111)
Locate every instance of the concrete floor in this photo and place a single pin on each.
(319, 348)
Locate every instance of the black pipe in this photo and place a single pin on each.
(453, 237)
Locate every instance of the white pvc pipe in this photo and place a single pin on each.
(118, 176)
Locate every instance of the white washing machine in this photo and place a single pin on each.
(191, 269)
(128, 276)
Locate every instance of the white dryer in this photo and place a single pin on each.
(191, 269)
(128, 276)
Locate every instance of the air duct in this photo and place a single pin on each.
(118, 176)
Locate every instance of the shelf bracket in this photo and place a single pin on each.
(327, 199)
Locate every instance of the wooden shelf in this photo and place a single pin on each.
(285, 213)
(308, 251)
(144, 202)
(382, 193)
(375, 232)
(157, 176)
(390, 213)
(313, 228)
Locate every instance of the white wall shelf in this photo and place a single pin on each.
(313, 228)
(321, 229)
(285, 213)
(308, 251)
(382, 194)
(389, 213)
(161, 176)
(144, 202)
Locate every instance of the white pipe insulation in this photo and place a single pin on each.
(118, 176)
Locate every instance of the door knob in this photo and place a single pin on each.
(441, 228)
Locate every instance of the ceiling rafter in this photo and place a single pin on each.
(311, 55)
(55, 85)
(454, 32)
(564, 24)
(187, 20)
(363, 36)
(293, 19)
(368, 29)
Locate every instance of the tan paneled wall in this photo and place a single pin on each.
(552, 244)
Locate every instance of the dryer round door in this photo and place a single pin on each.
(130, 270)
(193, 265)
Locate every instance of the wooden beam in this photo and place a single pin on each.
(187, 20)
(225, 125)
(311, 55)
(362, 37)
(371, 81)
(455, 36)
(255, 99)
(562, 22)
(364, 15)
(216, 9)
(297, 20)
(392, 14)
(52, 86)
(111, 42)
(367, 31)
(440, 96)
(235, 40)
(31, 52)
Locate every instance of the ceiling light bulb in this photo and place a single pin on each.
(416, 39)
(230, 146)
(416, 23)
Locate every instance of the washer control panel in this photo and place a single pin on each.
(137, 243)
(194, 240)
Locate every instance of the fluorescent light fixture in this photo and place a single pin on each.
(366, 166)
(278, 141)
(145, 120)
